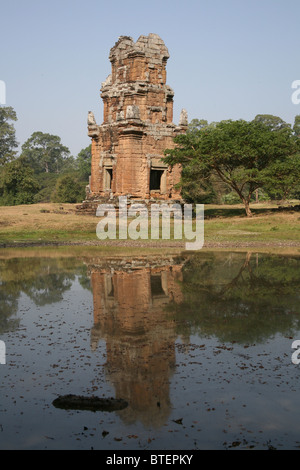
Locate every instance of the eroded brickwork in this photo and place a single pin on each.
(137, 125)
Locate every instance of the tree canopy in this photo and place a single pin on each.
(239, 153)
(8, 142)
(83, 162)
(296, 127)
(45, 152)
(17, 183)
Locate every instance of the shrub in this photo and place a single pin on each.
(68, 189)
(18, 184)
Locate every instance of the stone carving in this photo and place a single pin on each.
(137, 122)
(132, 112)
(183, 120)
(91, 119)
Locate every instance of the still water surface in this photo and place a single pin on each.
(198, 345)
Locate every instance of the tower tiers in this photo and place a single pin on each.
(127, 148)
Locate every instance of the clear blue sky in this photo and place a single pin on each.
(229, 59)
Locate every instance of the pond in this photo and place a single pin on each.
(198, 347)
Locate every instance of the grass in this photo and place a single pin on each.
(265, 228)
(60, 223)
(45, 222)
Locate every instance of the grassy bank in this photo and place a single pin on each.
(59, 223)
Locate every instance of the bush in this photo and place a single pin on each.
(18, 184)
(47, 183)
(69, 189)
(231, 198)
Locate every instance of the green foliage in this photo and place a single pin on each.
(83, 163)
(196, 188)
(79, 168)
(18, 184)
(37, 175)
(282, 178)
(231, 198)
(45, 152)
(296, 128)
(70, 186)
(43, 280)
(69, 189)
(239, 297)
(275, 123)
(196, 124)
(236, 152)
(7, 135)
(47, 183)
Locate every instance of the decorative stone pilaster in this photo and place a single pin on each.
(127, 148)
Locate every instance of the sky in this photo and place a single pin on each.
(229, 59)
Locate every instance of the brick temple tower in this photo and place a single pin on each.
(137, 127)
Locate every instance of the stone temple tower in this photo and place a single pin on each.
(127, 148)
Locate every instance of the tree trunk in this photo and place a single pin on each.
(247, 208)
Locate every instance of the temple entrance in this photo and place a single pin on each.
(155, 180)
(156, 285)
(108, 176)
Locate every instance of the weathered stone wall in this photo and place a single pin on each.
(137, 124)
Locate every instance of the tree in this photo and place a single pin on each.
(45, 152)
(282, 178)
(273, 122)
(296, 127)
(238, 152)
(69, 189)
(224, 295)
(197, 124)
(18, 184)
(7, 135)
(83, 162)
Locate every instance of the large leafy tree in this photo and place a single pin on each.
(83, 162)
(224, 295)
(296, 127)
(273, 122)
(8, 142)
(45, 152)
(197, 124)
(237, 152)
(282, 178)
(69, 189)
(17, 183)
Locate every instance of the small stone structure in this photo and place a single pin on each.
(127, 148)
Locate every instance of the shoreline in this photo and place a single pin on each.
(156, 244)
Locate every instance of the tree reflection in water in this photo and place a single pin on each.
(43, 280)
(236, 297)
(141, 307)
(141, 311)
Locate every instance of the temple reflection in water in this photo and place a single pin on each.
(129, 314)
